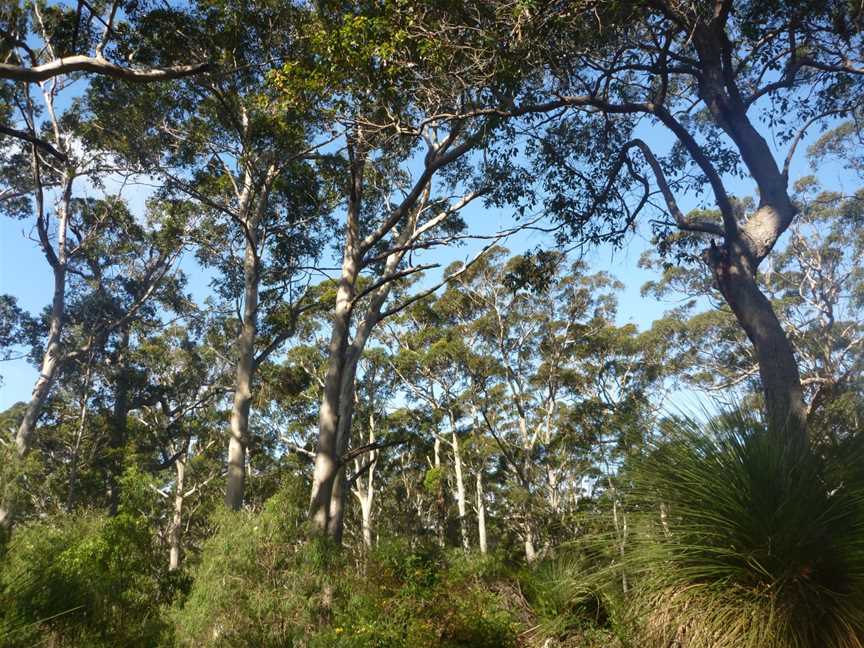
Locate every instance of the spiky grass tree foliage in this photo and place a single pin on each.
(748, 540)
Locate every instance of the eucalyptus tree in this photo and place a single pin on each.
(46, 157)
(179, 423)
(814, 283)
(407, 80)
(723, 78)
(41, 41)
(554, 380)
(80, 38)
(435, 359)
(70, 239)
(244, 158)
(119, 279)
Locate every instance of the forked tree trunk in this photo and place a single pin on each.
(327, 464)
(364, 488)
(735, 264)
(50, 360)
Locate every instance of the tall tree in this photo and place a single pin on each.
(243, 157)
(723, 78)
(406, 98)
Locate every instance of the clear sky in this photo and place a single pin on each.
(25, 274)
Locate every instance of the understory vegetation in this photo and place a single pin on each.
(730, 543)
(432, 323)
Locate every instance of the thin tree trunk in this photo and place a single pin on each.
(365, 495)
(82, 418)
(174, 537)
(460, 485)
(440, 501)
(53, 353)
(620, 523)
(481, 513)
(119, 425)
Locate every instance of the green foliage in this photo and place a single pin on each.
(421, 596)
(81, 581)
(759, 543)
(258, 584)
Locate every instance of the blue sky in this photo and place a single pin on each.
(25, 274)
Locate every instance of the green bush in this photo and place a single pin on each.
(81, 581)
(761, 544)
(422, 596)
(258, 584)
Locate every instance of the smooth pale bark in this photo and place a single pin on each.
(528, 537)
(327, 503)
(461, 502)
(239, 430)
(238, 441)
(174, 536)
(327, 463)
(97, 65)
(364, 489)
(52, 357)
(327, 510)
(481, 513)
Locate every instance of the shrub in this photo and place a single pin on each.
(81, 580)
(421, 595)
(256, 583)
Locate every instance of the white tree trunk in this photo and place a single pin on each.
(460, 485)
(174, 537)
(53, 352)
(530, 551)
(481, 513)
(245, 372)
